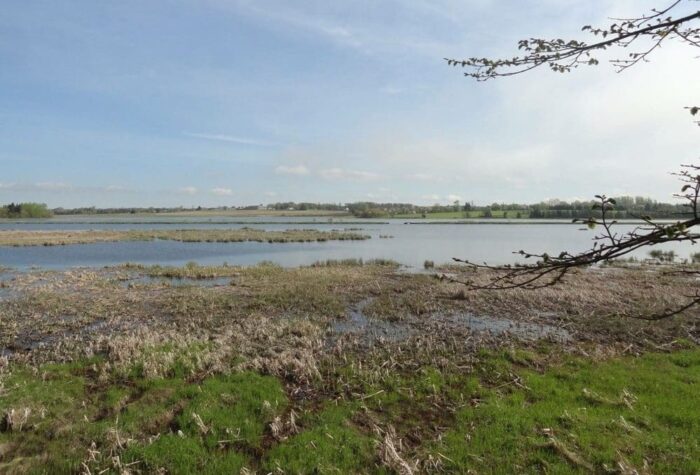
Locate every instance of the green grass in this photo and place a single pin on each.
(503, 416)
(633, 412)
(51, 408)
(236, 407)
(328, 444)
(150, 407)
(212, 420)
(184, 455)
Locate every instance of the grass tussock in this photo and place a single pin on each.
(355, 263)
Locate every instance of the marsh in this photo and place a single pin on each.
(249, 368)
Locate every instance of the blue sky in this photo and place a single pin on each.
(232, 102)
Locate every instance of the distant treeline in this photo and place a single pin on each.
(627, 207)
(94, 210)
(25, 210)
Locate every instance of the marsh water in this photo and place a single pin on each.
(408, 242)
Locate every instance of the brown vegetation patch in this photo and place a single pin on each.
(279, 320)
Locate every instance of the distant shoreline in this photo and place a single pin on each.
(334, 219)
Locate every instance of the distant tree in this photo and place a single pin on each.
(14, 210)
(651, 31)
(25, 210)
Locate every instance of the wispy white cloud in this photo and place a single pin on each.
(231, 139)
(343, 174)
(188, 190)
(53, 186)
(382, 194)
(61, 187)
(392, 91)
(222, 191)
(299, 170)
(421, 27)
(421, 177)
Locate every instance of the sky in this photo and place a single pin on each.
(239, 102)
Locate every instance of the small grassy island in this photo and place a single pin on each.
(58, 238)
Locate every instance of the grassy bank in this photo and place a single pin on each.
(344, 367)
(58, 238)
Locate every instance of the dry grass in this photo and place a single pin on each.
(58, 238)
(48, 313)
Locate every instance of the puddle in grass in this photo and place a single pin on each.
(30, 341)
(505, 326)
(5, 286)
(177, 281)
(371, 330)
(374, 330)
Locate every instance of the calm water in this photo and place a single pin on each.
(411, 244)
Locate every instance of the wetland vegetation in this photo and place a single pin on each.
(344, 367)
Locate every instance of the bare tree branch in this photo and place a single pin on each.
(563, 56)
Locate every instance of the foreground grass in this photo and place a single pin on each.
(632, 413)
(121, 370)
(621, 415)
(56, 238)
